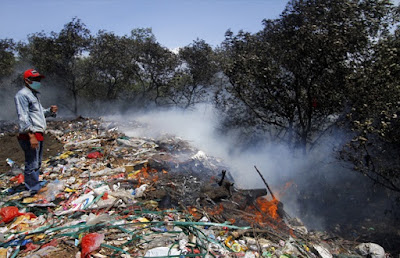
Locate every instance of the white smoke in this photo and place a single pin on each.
(314, 174)
(199, 125)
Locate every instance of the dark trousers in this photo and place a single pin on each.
(33, 161)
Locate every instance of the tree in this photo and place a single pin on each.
(7, 58)
(114, 65)
(157, 66)
(58, 55)
(375, 113)
(73, 40)
(291, 77)
(196, 75)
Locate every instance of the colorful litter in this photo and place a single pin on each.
(109, 195)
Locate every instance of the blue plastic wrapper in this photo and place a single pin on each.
(18, 242)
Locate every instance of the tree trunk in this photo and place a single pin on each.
(75, 96)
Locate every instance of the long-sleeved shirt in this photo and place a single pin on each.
(31, 115)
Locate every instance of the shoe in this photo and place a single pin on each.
(16, 189)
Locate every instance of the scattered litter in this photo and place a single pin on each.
(90, 243)
(109, 195)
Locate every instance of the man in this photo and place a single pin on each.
(32, 124)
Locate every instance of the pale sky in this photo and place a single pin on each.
(175, 23)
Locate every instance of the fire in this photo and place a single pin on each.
(286, 187)
(144, 174)
(216, 211)
(264, 212)
(193, 211)
(269, 207)
(265, 208)
(155, 178)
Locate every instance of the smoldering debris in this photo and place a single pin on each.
(107, 194)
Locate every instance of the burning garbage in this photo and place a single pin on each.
(108, 195)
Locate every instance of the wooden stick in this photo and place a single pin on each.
(265, 182)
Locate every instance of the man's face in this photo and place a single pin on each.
(33, 83)
(33, 79)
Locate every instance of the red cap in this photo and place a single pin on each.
(32, 73)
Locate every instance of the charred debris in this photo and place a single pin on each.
(108, 195)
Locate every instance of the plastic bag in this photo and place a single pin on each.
(93, 219)
(139, 192)
(83, 201)
(371, 249)
(15, 170)
(53, 189)
(31, 247)
(94, 155)
(323, 252)
(19, 179)
(162, 251)
(90, 243)
(9, 213)
(53, 243)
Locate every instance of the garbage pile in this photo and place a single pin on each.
(109, 195)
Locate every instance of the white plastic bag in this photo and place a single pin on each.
(374, 250)
(162, 251)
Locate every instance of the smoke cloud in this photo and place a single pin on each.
(51, 93)
(318, 188)
(308, 186)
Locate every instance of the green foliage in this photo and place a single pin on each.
(111, 67)
(143, 35)
(196, 75)
(374, 116)
(7, 59)
(58, 55)
(110, 58)
(137, 68)
(157, 68)
(292, 76)
(323, 63)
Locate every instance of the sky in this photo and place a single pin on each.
(175, 23)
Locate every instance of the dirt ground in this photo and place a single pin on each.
(9, 148)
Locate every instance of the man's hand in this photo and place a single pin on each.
(34, 142)
(53, 109)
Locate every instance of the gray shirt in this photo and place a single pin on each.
(31, 115)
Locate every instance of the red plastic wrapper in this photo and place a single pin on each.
(105, 196)
(9, 213)
(19, 179)
(90, 243)
(31, 247)
(53, 242)
(121, 175)
(94, 155)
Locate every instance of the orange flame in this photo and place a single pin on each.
(216, 211)
(155, 178)
(269, 207)
(264, 212)
(144, 172)
(286, 187)
(194, 213)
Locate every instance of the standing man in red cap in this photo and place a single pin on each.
(32, 125)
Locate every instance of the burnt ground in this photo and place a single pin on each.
(9, 148)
